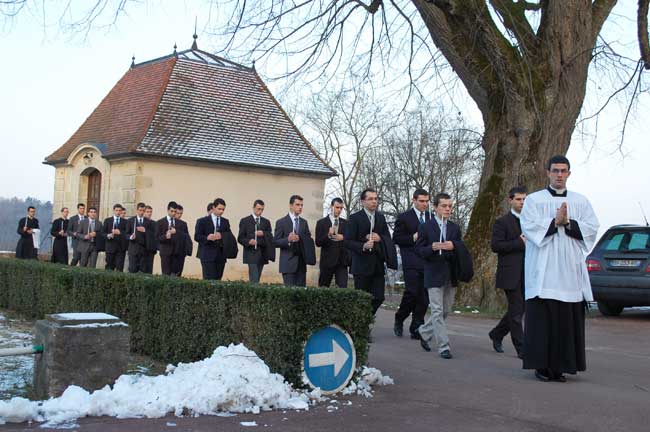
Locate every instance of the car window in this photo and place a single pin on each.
(624, 241)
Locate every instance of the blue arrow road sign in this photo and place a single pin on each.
(329, 359)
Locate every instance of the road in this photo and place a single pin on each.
(478, 390)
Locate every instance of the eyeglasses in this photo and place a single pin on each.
(559, 171)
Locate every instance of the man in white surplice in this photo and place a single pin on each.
(560, 228)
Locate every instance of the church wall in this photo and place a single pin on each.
(194, 185)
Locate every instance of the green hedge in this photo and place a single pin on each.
(181, 320)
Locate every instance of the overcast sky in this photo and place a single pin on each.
(50, 84)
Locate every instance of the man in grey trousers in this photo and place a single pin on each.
(73, 225)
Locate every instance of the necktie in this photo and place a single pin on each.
(443, 231)
(257, 223)
(295, 225)
(421, 218)
(336, 226)
(218, 222)
(116, 223)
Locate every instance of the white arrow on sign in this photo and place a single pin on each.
(336, 357)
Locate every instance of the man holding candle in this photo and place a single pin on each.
(60, 233)
(257, 239)
(369, 242)
(436, 244)
(297, 249)
(25, 248)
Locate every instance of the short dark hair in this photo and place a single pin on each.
(295, 198)
(148, 207)
(258, 201)
(117, 206)
(219, 201)
(63, 208)
(141, 205)
(31, 207)
(440, 196)
(558, 159)
(420, 192)
(365, 192)
(172, 205)
(516, 190)
(92, 208)
(81, 205)
(210, 206)
(179, 207)
(336, 200)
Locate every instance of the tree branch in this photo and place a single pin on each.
(642, 32)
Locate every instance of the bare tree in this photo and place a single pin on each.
(343, 125)
(429, 149)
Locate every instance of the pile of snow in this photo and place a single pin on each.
(233, 379)
(367, 378)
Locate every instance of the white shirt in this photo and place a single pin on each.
(517, 215)
(419, 213)
(555, 265)
(216, 221)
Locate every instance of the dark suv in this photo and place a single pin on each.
(619, 268)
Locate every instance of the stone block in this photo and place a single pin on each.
(89, 350)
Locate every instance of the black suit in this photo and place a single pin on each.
(182, 248)
(115, 245)
(256, 257)
(213, 253)
(506, 242)
(152, 246)
(138, 243)
(294, 256)
(415, 299)
(60, 245)
(25, 248)
(168, 246)
(334, 256)
(368, 265)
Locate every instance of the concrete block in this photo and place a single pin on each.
(89, 350)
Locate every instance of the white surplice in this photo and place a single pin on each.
(555, 265)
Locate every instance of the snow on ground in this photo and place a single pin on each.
(233, 380)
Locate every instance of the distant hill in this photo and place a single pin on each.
(12, 209)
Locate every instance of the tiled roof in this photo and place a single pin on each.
(121, 120)
(207, 109)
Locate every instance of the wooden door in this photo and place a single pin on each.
(94, 190)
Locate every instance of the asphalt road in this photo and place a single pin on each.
(478, 390)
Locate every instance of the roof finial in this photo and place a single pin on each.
(194, 45)
(133, 61)
(175, 53)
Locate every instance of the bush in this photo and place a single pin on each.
(182, 320)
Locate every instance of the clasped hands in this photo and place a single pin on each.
(446, 245)
(215, 236)
(562, 215)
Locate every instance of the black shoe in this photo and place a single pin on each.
(542, 375)
(398, 329)
(416, 335)
(446, 354)
(425, 345)
(497, 345)
(558, 377)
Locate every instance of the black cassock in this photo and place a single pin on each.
(60, 246)
(25, 248)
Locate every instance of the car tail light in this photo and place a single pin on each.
(647, 269)
(594, 265)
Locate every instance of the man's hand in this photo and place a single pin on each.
(436, 246)
(448, 245)
(339, 237)
(132, 237)
(141, 229)
(116, 232)
(368, 245)
(217, 236)
(561, 215)
(259, 233)
(62, 233)
(415, 237)
(523, 238)
(293, 237)
(172, 230)
(87, 237)
(332, 232)
(211, 237)
(168, 234)
(25, 229)
(252, 242)
(93, 234)
(374, 237)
